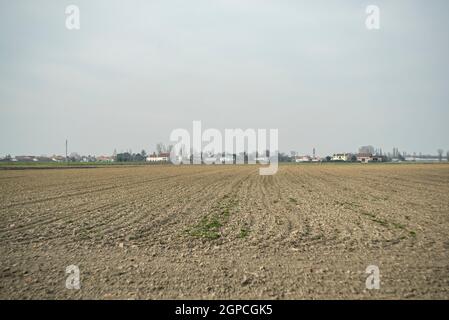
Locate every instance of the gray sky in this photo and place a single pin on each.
(136, 70)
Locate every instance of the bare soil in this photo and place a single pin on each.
(224, 232)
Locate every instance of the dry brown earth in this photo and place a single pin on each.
(214, 232)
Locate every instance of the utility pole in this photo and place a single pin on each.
(66, 159)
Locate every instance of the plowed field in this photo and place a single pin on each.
(309, 231)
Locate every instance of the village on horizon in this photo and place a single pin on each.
(365, 154)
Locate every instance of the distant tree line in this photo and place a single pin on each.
(131, 157)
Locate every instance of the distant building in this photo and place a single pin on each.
(210, 159)
(161, 157)
(105, 159)
(422, 159)
(58, 158)
(26, 159)
(368, 157)
(379, 158)
(303, 159)
(43, 159)
(261, 160)
(364, 157)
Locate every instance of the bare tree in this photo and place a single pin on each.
(74, 156)
(440, 154)
(447, 156)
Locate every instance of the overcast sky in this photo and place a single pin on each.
(136, 70)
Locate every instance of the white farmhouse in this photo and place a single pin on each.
(303, 159)
(161, 157)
